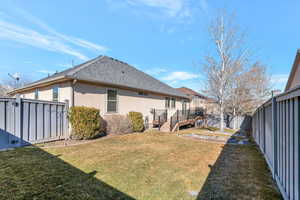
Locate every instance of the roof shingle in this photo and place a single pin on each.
(108, 70)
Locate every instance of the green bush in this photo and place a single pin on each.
(137, 121)
(86, 122)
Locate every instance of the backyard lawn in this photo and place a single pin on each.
(137, 166)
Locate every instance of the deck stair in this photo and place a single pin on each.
(178, 119)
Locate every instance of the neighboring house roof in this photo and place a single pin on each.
(109, 71)
(191, 92)
(293, 71)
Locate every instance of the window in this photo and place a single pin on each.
(184, 105)
(143, 93)
(173, 103)
(111, 100)
(55, 93)
(36, 94)
(167, 102)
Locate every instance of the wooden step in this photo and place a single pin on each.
(165, 127)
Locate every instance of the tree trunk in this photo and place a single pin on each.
(221, 117)
(234, 119)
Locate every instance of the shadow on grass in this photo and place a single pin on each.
(240, 172)
(31, 173)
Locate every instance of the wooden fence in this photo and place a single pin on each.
(24, 121)
(276, 130)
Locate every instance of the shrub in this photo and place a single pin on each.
(118, 125)
(86, 122)
(137, 121)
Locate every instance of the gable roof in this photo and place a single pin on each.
(109, 71)
(189, 91)
(293, 71)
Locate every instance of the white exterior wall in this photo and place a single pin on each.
(46, 94)
(91, 95)
(128, 100)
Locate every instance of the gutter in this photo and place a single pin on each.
(72, 92)
(68, 78)
(40, 84)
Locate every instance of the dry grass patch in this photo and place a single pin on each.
(136, 166)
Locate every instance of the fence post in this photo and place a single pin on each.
(264, 128)
(18, 123)
(153, 114)
(66, 120)
(177, 115)
(159, 122)
(297, 149)
(274, 130)
(166, 115)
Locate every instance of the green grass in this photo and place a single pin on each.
(136, 166)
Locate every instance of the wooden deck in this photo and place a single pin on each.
(186, 122)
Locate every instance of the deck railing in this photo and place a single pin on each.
(160, 116)
(183, 115)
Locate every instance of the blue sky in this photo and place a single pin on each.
(165, 38)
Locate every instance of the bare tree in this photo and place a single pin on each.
(11, 83)
(3, 91)
(249, 90)
(227, 61)
(16, 81)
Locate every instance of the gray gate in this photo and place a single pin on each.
(27, 121)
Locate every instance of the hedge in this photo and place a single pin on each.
(86, 122)
(137, 121)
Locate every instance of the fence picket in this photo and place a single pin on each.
(25, 121)
(280, 141)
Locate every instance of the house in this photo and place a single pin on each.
(197, 100)
(294, 77)
(107, 84)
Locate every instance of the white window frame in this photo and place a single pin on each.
(169, 102)
(106, 101)
(36, 94)
(173, 99)
(55, 86)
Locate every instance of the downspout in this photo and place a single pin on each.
(73, 93)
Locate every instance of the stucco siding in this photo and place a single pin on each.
(65, 92)
(92, 95)
(128, 100)
(29, 95)
(197, 102)
(46, 94)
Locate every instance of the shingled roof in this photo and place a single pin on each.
(109, 71)
(191, 92)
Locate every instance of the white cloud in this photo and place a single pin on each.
(156, 71)
(279, 81)
(171, 7)
(51, 40)
(180, 76)
(181, 10)
(33, 38)
(44, 71)
(279, 78)
(74, 40)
